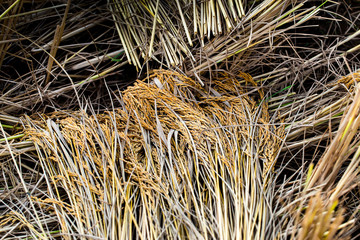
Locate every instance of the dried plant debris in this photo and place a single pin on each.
(324, 202)
(204, 151)
(44, 68)
(53, 50)
(196, 35)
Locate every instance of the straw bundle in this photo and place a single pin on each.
(176, 161)
(195, 35)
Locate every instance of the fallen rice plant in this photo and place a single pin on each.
(174, 162)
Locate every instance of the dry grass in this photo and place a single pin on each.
(203, 152)
(166, 31)
(51, 50)
(324, 202)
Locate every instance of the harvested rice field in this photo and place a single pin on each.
(184, 119)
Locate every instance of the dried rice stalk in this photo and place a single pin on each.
(177, 161)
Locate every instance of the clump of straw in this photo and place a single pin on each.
(176, 161)
(200, 34)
